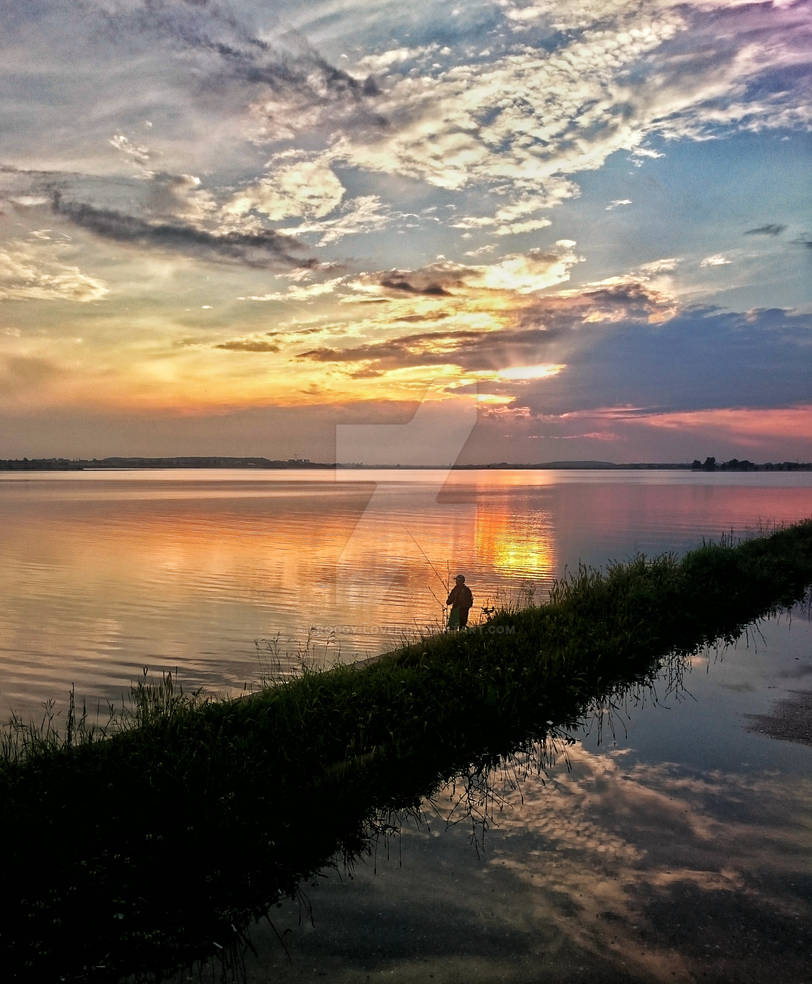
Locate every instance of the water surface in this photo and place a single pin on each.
(106, 572)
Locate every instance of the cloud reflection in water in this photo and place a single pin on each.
(613, 863)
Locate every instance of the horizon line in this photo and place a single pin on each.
(255, 462)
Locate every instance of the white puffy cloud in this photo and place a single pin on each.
(655, 267)
(718, 259)
(376, 64)
(528, 272)
(296, 184)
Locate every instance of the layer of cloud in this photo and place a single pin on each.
(249, 345)
(470, 350)
(718, 259)
(697, 840)
(524, 118)
(228, 48)
(771, 229)
(553, 93)
(622, 344)
(29, 272)
(518, 274)
(257, 249)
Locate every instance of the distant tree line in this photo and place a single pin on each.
(79, 464)
(710, 464)
(40, 464)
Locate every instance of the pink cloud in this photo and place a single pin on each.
(745, 424)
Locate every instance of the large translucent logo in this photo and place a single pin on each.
(402, 546)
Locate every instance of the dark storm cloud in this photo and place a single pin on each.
(470, 350)
(766, 230)
(261, 249)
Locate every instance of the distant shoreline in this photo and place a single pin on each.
(266, 464)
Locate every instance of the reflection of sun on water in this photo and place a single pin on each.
(513, 545)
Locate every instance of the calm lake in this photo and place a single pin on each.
(670, 840)
(104, 573)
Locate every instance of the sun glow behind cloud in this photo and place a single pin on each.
(531, 372)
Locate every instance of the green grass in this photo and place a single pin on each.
(139, 846)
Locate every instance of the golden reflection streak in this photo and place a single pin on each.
(513, 546)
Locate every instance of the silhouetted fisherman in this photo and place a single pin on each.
(460, 600)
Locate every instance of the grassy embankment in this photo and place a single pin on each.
(140, 850)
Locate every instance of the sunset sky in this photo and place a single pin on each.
(536, 229)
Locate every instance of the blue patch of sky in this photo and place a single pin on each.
(785, 79)
(398, 192)
(698, 199)
(407, 25)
